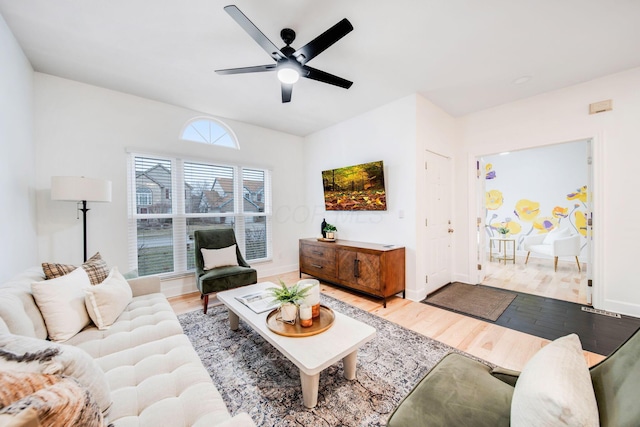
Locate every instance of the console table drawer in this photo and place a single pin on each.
(318, 252)
(318, 266)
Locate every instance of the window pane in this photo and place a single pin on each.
(208, 188)
(252, 190)
(194, 224)
(155, 246)
(153, 186)
(208, 131)
(255, 231)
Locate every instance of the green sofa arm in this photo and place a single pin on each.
(458, 391)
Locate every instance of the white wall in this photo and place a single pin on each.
(562, 116)
(387, 133)
(86, 130)
(17, 159)
(396, 133)
(437, 133)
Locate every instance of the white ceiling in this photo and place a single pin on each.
(462, 55)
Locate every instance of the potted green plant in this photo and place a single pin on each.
(503, 232)
(330, 230)
(288, 298)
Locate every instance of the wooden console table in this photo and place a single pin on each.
(370, 268)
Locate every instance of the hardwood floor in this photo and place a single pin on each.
(538, 278)
(504, 347)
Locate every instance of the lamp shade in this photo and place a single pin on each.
(78, 188)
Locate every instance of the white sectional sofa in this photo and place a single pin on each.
(154, 376)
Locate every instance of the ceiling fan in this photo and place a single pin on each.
(291, 63)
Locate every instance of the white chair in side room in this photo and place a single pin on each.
(556, 243)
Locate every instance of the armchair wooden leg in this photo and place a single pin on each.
(578, 262)
(527, 260)
(206, 303)
(555, 264)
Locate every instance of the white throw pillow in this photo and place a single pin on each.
(61, 302)
(555, 388)
(219, 257)
(555, 234)
(26, 354)
(106, 301)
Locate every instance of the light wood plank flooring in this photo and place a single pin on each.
(504, 347)
(538, 278)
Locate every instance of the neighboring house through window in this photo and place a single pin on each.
(212, 195)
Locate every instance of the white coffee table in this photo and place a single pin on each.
(310, 354)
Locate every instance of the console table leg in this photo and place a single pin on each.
(234, 320)
(349, 365)
(309, 389)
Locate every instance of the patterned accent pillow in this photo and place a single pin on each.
(95, 267)
(25, 354)
(59, 400)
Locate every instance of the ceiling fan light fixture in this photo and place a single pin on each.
(288, 75)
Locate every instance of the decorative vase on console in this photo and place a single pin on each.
(330, 231)
(322, 226)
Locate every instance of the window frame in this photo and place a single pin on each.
(178, 214)
(211, 121)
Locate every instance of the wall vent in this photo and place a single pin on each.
(601, 106)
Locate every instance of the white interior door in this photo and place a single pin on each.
(438, 221)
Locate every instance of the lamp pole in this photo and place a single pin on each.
(84, 210)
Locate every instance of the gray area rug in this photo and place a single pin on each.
(477, 301)
(254, 377)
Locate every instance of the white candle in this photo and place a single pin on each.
(305, 312)
(313, 296)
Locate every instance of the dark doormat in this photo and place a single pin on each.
(477, 301)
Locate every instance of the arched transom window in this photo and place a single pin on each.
(209, 131)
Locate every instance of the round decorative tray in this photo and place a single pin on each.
(324, 239)
(320, 324)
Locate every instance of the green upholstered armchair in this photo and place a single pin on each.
(220, 278)
(460, 391)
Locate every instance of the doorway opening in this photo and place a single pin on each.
(536, 197)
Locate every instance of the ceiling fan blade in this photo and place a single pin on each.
(286, 92)
(325, 77)
(243, 70)
(254, 32)
(309, 51)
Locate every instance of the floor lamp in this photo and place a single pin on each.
(81, 190)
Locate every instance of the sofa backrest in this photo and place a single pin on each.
(19, 313)
(616, 382)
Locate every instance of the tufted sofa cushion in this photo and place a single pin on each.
(147, 318)
(161, 382)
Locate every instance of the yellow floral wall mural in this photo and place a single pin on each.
(493, 200)
(527, 210)
(536, 193)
